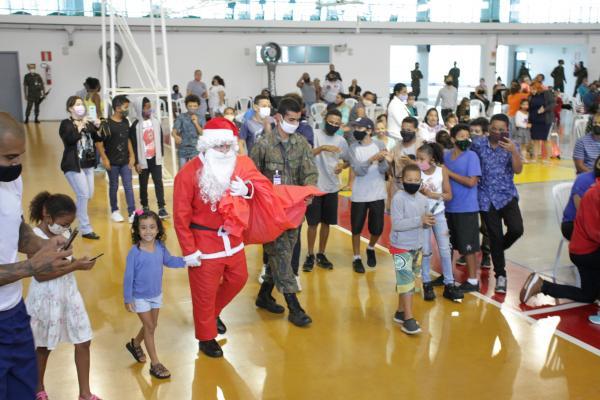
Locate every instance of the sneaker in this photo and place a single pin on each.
(466, 287)
(461, 261)
(411, 327)
(439, 281)
(163, 214)
(486, 262)
(358, 266)
(371, 260)
(262, 273)
(399, 317)
(451, 292)
(500, 284)
(323, 262)
(309, 263)
(146, 209)
(428, 293)
(298, 283)
(91, 236)
(532, 286)
(132, 217)
(116, 217)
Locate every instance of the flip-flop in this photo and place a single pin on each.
(595, 319)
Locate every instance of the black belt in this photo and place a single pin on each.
(202, 228)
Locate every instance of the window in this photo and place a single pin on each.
(300, 54)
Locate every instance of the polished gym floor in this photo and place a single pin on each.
(485, 347)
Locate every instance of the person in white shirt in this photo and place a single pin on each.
(521, 134)
(331, 87)
(216, 96)
(430, 126)
(397, 111)
(18, 367)
(448, 96)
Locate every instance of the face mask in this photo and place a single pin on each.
(331, 129)
(147, 114)
(56, 229)
(411, 188)
(230, 117)
(124, 113)
(424, 166)
(192, 111)
(176, 91)
(463, 144)
(596, 129)
(31, 70)
(448, 82)
(288, 128)
(79, 110)
(367, 103)
(306, 80)
(264, 112)
(10, 173)
(407, 136)
(403, 98)
(359, 135)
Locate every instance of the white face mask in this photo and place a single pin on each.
(288, 128)
(264, 112)
(56, 229)
(79, 110)
(367, 103)
(230, 117)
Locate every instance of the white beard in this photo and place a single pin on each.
(215, 176)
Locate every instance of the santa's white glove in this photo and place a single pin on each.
(193, 260)
(238, 187)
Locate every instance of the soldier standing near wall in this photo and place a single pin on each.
(33, 86)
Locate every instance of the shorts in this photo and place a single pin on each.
(145, 305)
(521, 136)
(358, 215)
(408, 267)
(464, 232)
(323, 209)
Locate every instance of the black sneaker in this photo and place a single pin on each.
(399, 317)
(439, 281)
(461, 261)
(371, 260)
(411, 327)
(486, 262)
(451, 292)
(323, 262)
(358, 266)
(91, 236)
(466, 287)
(309, 263)
(221, 328)
(211, 348)
(428, 293)
(163, 214)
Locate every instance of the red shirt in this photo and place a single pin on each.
(586, 235)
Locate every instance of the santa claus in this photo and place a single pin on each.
(220, 201)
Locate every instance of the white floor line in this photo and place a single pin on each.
(520, 314)
(560, 307)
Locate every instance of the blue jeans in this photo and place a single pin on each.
(442, 238)
(82, 184)
(184, 160)
(113, 181)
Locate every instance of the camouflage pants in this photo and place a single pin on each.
(279, 270)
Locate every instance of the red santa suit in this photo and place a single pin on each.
(214, 233)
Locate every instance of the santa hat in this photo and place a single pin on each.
(216, 132)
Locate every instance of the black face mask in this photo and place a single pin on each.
(596, 129)
(411, 188)
(331, 129)
(9, 174)
(407, 136)
(359, 135)
(463, 145)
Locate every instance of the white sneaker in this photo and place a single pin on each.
(132, 217)
(500, 284)
(263, 270)
(116, 217)
(298, 282)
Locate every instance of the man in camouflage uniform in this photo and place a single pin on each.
(33, 86)
(286, 158)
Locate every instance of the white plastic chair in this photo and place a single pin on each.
(316, 112)
(180, 105)
(421, 107)
(477, 109)
(370, 111)
(243, 104)
(560, 198)
(350, 102)
(379, 110)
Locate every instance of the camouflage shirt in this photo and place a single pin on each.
(33, 86)
(293, 159)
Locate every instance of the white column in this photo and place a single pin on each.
(488, 61)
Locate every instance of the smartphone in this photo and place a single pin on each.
(435, 206)
(97, 257)
(505, 136)
(71, 238)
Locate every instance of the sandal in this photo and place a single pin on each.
(94, 397)
(41, 395)
(159, 371)
(136, 351)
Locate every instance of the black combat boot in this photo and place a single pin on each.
(297, 315)
(266, 301)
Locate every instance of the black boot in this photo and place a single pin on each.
(27, 120)
(221, 328)
(297, 315)
(37, 121)
(211, 348)
(428, 293)
(266, 301)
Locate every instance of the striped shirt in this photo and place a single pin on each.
(587, 149)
